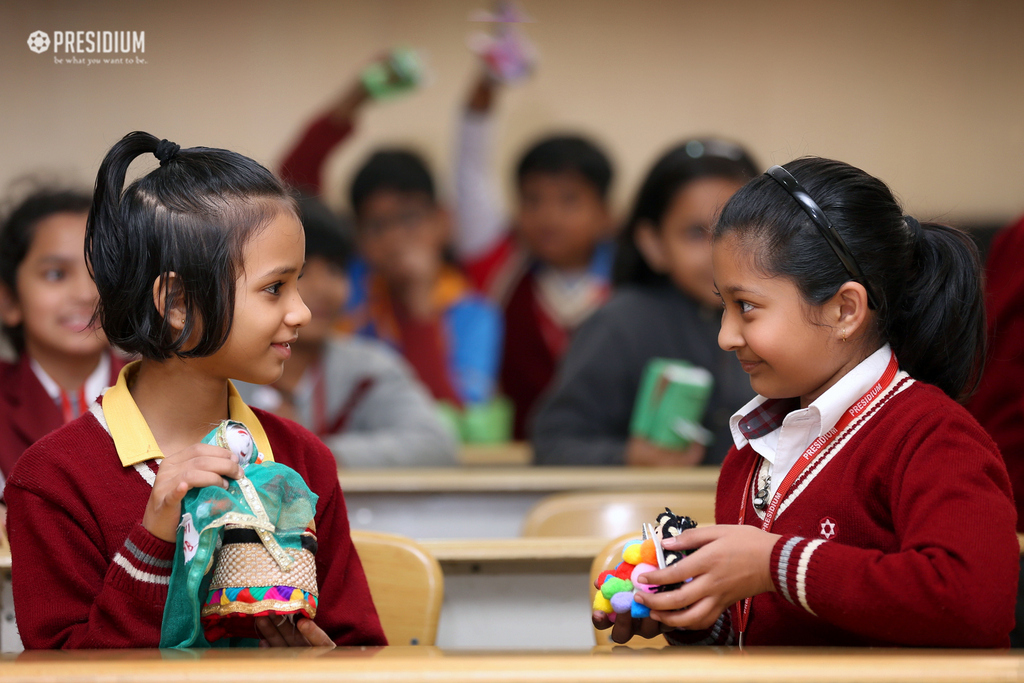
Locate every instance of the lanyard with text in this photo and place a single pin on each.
(802, 463)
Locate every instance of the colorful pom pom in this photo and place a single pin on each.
(623, 570)
(603, 576)
(601, 603)
(631, 554)
(642, 569)
(615, 585)
(638, 611)
(622, 602)
(647, 552)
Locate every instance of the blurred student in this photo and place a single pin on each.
(406, 292)
(356, 394)
(998, 403)
(548, 266)
(664, 306)
(47, 299)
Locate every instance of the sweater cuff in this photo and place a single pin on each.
(142, 567)
(791, 566)
(719, 634)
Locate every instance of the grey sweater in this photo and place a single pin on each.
(584, 418)
(393, 424)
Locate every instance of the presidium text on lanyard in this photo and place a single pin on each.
(801, 464)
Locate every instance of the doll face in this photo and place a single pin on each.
(55, 296)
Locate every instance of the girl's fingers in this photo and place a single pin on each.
(222, 466)
(622, 629)
(314, 635)
(695, 538)
(702, 614)
(268, 629)
(601, 620)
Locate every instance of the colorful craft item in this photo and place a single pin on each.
(619, 586)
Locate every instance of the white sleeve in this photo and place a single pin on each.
(480, 220)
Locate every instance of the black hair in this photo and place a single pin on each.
(928, 279)
(398, 170)
(672, 172)
(192, 217)
(568, 154)
(18, 232)
(328, 235)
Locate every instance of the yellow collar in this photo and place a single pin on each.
(132, 437)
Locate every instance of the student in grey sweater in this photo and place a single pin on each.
(664, 306)
(360, 397)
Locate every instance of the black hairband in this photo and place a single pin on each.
(165, 151)
(821, 221)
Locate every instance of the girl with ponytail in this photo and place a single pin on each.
(196, 265)
(861, 504)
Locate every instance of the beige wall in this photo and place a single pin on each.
(927, 95)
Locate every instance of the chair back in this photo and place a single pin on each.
(609, 514)
(406, 584)
(610, 556)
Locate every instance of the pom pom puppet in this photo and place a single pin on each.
(619, 585)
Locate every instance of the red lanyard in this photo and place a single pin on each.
(805, 459)
(68, 412)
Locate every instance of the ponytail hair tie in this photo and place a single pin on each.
(165, 151)
(914, 226)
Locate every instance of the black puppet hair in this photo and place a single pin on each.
(18, 230)
(929, 279)
(396, 170)
(678, 167)
(191, 216)
(568, 154)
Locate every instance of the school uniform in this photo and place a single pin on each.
(542, 306)
(899, 531)
(78, 496)
(457, 352)
(363, 401)
(31, 404)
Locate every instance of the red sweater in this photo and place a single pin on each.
(27, 413)
(999, 402)
(70, 498)
(901, 532)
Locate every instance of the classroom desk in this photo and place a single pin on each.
(488, 502)
(598, 665)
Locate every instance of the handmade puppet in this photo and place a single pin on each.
(242, 552)
(620, 585)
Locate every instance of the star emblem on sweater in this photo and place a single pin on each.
(828, 528)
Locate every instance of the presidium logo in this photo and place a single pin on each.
(91, 48)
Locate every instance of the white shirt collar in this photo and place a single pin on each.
(782, 447)
(95, 383)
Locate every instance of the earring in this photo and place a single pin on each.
(844, 335)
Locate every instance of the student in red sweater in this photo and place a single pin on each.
(47, 301)
(861, 504)
(549, 266)
(998, 404)
(196, 264)
(405, 291)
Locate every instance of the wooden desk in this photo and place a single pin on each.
(614, 665)
(488, 502)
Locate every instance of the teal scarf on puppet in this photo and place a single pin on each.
(268, 569)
